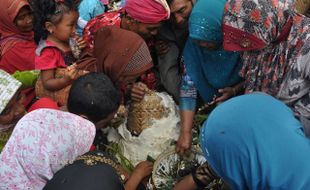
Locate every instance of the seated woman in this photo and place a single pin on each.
(17, 46)
(45, 140)
(209, 69)
(42, 142)
(254, 142)
(97, 171)
(123, 56)
(11, 105)
(275, 42)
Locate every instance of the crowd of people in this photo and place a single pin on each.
(67, 65)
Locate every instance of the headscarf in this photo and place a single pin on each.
(255, 142)
(42, 142)
(148, 11)
(9, 86)
(210, 70)
(92, 171)
(9, 34)
(278, 37)
(119, 52)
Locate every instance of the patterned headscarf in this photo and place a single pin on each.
(148, 11)
(121, 52)
(9, 34)
(9, 86)
(273, 37)
(42, 142)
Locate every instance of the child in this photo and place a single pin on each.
(55, 24)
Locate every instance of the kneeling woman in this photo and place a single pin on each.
(123, 56)
(255, 142)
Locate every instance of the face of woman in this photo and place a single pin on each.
(24, 20)
(14, 110)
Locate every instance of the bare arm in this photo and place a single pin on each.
(185, 138)
(142, 170)
(51, 83)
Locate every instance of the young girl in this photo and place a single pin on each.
(55, 24)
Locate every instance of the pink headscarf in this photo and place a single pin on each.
(148, 11)
(42, 142)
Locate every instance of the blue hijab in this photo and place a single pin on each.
(209, 69)
(254, 142)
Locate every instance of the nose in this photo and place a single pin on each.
(178, 19)
(29, 19)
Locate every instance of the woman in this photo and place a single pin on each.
(17, 47)
(96, 171)
(255, 142)
(275, 44)
(11, 105)
(123, 56)
(209, 69)
(42, 142)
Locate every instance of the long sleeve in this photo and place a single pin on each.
(188, 93)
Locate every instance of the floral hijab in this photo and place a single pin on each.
(273, 37)
(42, 142)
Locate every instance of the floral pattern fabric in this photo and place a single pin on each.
(42, 142)
(276, 45)
(105, 19)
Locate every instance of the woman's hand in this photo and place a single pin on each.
(184, 142)
(161, 47)
(142, 170)
(138, 91)
(226, 93)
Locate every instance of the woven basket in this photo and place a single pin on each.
(141, 114)
(302, 6)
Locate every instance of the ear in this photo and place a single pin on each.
(50, 27)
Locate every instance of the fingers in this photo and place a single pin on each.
(162, 47)
(138, 92)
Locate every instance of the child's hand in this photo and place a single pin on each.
(71, 72)
(142, 170)
(81, 42)
(138, 91)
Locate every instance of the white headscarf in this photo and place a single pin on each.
(9, 86)
(42, 142)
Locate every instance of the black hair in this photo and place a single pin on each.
(49, 11)
(169, 2)
(94, 96)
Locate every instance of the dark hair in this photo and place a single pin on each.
(169, 2)
(94, 96)
(49, 10)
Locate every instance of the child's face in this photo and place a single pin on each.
(14, 110)
(66, 27)
(24, 20)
